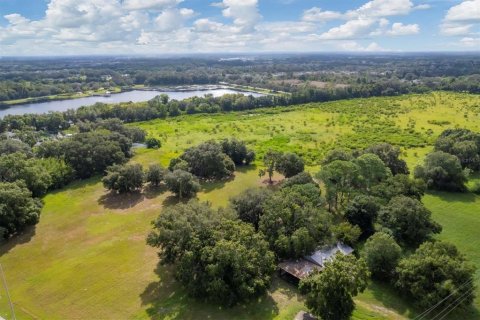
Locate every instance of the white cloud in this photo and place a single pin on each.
(150, 4)
(400, 29)
(245, 14)
(467, 11)
(383, 8)
(470, 42)
(461, 19)
(349, 30)
(356, 47)
(317, 15)
(171, 19)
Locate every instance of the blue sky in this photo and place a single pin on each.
(71, 27)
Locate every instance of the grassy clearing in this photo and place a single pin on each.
(87, 258)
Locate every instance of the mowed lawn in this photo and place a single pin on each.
(87, 258)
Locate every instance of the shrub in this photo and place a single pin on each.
(153, 143)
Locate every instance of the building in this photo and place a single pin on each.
(296, 270)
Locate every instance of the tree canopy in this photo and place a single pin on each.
(17, 208)
(216, 258)
(442, 171)
(434, 272)
(409, 220)
(330, 292)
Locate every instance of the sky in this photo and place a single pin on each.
(155, 27)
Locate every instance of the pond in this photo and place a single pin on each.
(134, 96)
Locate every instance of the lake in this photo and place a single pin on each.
(134, 96)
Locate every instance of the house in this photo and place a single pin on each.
(296, 270)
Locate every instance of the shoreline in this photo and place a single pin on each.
(62, 97)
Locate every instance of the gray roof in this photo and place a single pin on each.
(326, 254)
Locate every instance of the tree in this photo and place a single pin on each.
(182, 183)
(124, 178)
(294, 222)
(462, 143)
(409, 220)
(249, 205)
(362, 211)
(216, 258)
(382, 254)
(153, 143)
(340, 179)
(400, 184)
(435, 271)
(390, 155)
(347, 233)
(301, 178)
(17, 166)
(93, 152)
(330, 292)
(337, 154)
(289, 164)
(442, 171)
(372, 170)
(17, 208)
(155, 174)
(9, 146)
(208, 161)
(237, 151)
(270, 160)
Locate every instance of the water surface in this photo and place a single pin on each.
(134, 96)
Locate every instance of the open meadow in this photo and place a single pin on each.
(87, 257)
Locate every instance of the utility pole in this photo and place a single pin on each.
(8, 294)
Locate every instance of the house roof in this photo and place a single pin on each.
(301, 268)
(326, 254)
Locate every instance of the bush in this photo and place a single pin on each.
(124, 178)
(153, 143)
(182, 183)
(382, 254)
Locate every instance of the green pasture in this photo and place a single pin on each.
(87, 258)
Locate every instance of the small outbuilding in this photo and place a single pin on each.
(296, 270)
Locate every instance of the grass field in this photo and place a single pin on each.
(87, 258)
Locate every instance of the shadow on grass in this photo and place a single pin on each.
(454, 196)
(151, 192)
(24, 237)
(391, 299)
(165, 299)
(113, 200)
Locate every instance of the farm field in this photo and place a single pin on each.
(87, 258)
